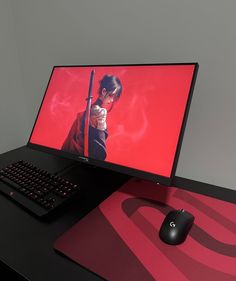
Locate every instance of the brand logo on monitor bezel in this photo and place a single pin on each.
(83, 159)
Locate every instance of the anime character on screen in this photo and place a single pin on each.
(88, 134)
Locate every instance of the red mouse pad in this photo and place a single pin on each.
(119, 240)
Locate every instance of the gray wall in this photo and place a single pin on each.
(14, 118)
(38, 34)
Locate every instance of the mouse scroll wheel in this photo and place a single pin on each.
(182, 210)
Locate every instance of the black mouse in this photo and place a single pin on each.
(176, 227)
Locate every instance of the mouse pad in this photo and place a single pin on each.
(119, 240)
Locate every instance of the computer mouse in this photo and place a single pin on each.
(176, 227)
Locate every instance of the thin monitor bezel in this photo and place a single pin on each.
(112, 166)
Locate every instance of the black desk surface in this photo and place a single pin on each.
(26, 242)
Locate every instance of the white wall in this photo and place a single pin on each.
(49, 32)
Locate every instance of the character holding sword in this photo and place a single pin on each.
(88, 133)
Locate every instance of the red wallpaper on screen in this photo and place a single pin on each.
(144, 124)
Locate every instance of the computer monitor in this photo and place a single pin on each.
(128, 118)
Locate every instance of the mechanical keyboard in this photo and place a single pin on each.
(35, 189)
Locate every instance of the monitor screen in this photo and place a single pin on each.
(129, 118)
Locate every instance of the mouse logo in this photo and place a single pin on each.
(172, 224)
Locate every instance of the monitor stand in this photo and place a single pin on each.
(96, 183)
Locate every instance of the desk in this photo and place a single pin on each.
(26, 243)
